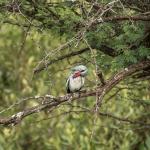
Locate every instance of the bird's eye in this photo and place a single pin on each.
(82, 70)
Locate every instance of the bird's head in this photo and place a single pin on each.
(80, 70)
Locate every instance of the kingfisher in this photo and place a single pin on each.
(76, 79)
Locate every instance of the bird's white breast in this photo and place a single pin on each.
(76, 84)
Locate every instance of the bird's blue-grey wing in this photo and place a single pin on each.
(67, 85)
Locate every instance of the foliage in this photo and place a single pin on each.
(36, 29)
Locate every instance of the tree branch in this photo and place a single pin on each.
(103, 48)
(36, 70)
(120, 18)
(53, 102)
(103, 114)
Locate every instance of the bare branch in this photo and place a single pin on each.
(103, 48)
(36, 70)
(52, 102)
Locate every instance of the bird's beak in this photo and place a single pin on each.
(77, 74)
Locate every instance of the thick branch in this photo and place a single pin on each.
(101, 90)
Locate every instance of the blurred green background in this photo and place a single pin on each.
(26, 39)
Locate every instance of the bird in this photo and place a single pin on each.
(76, 79)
